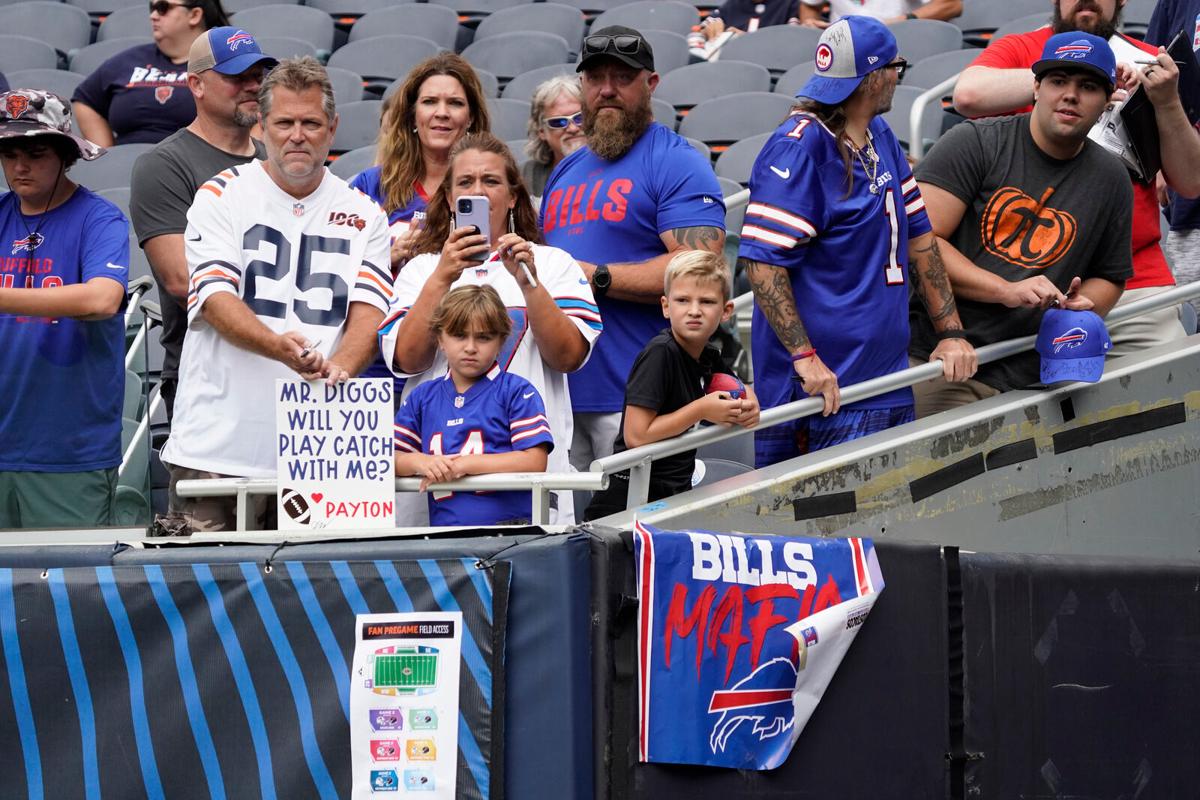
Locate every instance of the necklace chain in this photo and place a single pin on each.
(871, 172)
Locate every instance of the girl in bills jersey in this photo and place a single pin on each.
(555, 320)
(475, 419)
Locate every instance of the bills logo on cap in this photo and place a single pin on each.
(238, 39)
(16, 105)
(29, 244)
(1079, 49)
(1072, 338)
(824, 57)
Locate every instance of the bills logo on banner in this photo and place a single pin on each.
(738, 638)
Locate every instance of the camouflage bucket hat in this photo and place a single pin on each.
(30, 112)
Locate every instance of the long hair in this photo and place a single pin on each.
(214, 13)
(438, 220)
(399, 155)
(833, 117)
(545, 94)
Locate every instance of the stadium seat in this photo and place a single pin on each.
(286, 46)
(60, 81)
(134, 395)
(794, 79)
(509, 56)
(426, 20)
(299, 22)
(898, 117)
(347, 85)
(358, 125)
(724, 120)
(670, 50)
(921, 38)
(712, 470)
(97, 9)
(86, 59)
(488, 82)
(63, 27)
(737, 161)
(517, 148)
(664, 112)
(350, 163)
(563, 20)
(644, 15)
(471, 11)
(510, 118)
(739, 449)
(691, 85)
(382, 59)
(592, 8)
(701, 148)
(1135, 17)
(728, 189)
(124, 23)
(1023, 24)
(929, 72)
(237, 6)
(118, 196)
(25, 53)
(980, 18)
(111, 170)
(346, 12)
(778, 48)
(523, 86)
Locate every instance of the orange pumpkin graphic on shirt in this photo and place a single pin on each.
(1024, 231)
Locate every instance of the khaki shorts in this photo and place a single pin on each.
(939, 394)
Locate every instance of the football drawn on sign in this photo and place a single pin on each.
(738, 637)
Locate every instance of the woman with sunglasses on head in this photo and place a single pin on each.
(554, 315)
(141, 94)
(555, 129)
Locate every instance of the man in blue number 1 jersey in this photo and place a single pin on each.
(289, 276)
(834, 220)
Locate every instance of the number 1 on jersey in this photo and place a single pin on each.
(893, 272)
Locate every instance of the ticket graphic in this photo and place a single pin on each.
(387, 719)
(423, 719)
(421, 750)
(384, 780)
(385, 750)
(418, 780)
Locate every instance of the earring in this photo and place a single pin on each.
(512, 223)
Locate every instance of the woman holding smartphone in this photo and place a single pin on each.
(555, 317)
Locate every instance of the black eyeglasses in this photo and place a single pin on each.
(564, 122)
(900, 66)
(622, 43)
(163, 7)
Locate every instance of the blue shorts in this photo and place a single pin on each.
(809, 434)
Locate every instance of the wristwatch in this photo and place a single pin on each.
(601, 280)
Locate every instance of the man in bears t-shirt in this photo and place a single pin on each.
(999, 82)
(63, 273)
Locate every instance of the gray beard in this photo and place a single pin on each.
(244, 120)
(611, 136)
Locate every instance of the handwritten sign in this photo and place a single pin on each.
(334, 444)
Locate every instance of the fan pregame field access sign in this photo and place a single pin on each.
(738, 637)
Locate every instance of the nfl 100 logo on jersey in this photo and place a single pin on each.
(738, 637)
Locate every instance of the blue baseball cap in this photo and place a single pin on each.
(229, 51)
(1080, 51)
(848, 51)
(1072, 345)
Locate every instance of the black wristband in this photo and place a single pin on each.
(954, 334)
(911, 15)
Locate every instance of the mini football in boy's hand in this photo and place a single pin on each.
(723, 382)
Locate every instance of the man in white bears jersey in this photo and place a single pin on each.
(289, 276)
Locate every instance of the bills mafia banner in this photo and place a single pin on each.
(738, 637)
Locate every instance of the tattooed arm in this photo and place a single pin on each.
(773, 295)
(642, 281)
(930, 282)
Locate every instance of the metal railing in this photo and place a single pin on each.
(638, 460)
(916, 145)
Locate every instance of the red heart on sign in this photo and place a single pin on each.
(317, 496)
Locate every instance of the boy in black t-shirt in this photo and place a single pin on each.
(665, 393)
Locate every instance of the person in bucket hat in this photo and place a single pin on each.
(834, 237)
(63, 276)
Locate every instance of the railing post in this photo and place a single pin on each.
(241, 508)
(639, 483)
(541, 505)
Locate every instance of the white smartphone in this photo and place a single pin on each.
(474, 210)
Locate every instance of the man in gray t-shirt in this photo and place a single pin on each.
(1031, 214)
(225, 86)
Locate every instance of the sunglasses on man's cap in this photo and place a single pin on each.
(595, 45)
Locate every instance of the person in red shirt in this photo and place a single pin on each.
(999, 82)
